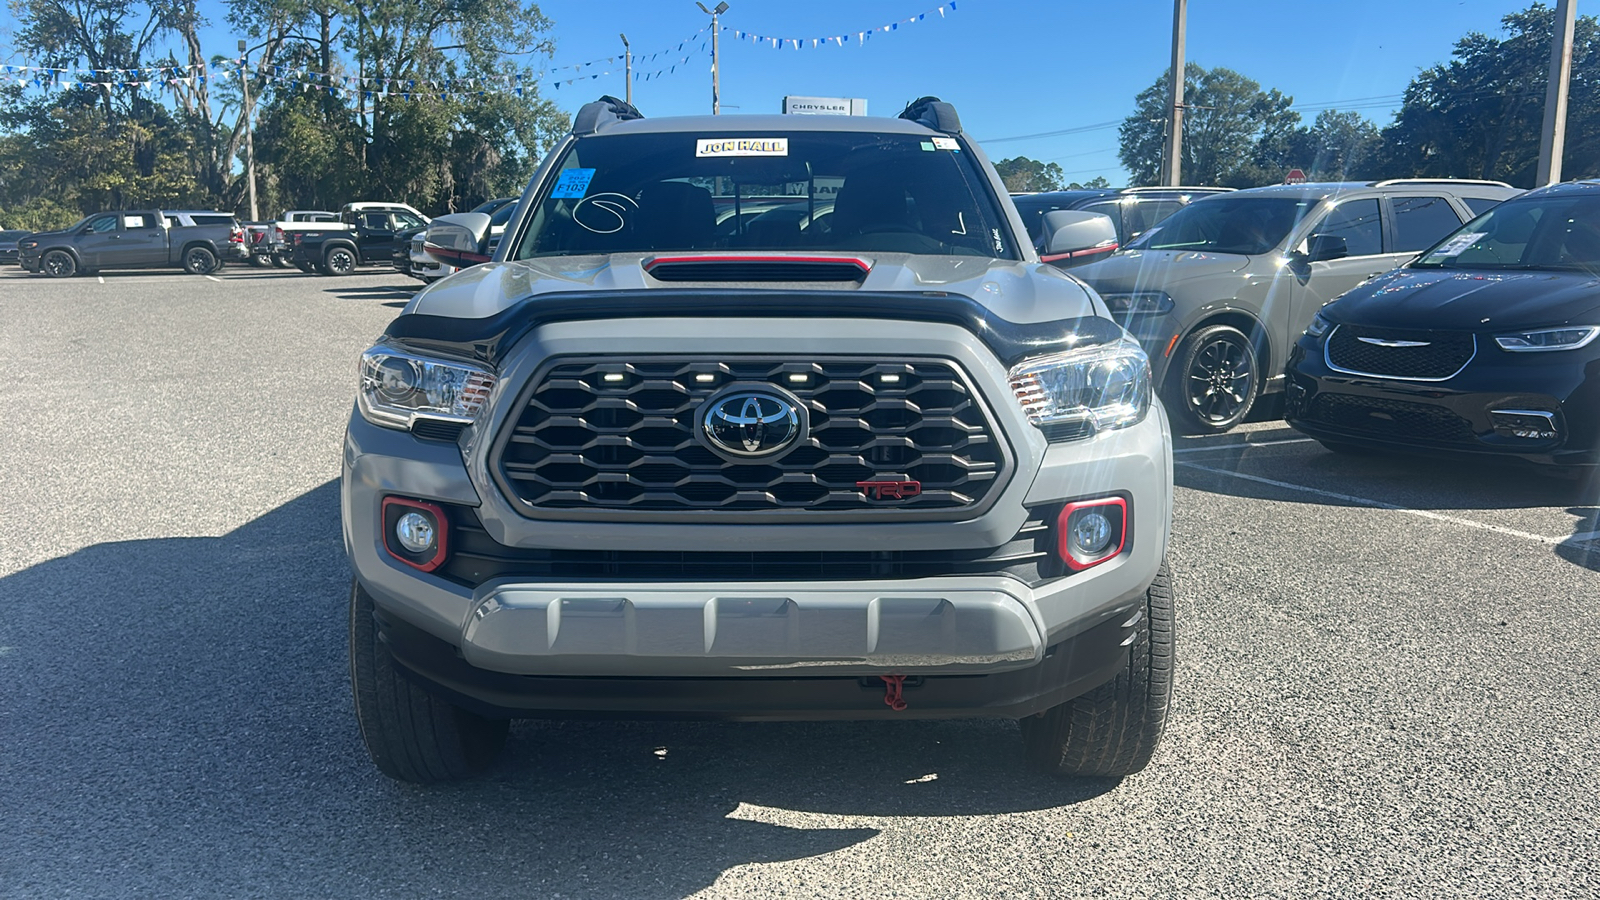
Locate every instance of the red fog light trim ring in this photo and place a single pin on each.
(1064, 532)
(441, 524)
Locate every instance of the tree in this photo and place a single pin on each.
(1480, 115)
(1022, 174)
(1227, 119)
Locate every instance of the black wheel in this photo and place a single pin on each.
(260, 262)
(199, 260)
(280, 262)
(1113, 730)
(1215, 381)
(58, 264)
(411, 734)
(339, 261)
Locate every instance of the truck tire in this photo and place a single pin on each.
(198, 260)
(279, 261)
(411, 734)
(1215, 380)
(339, 261)
(58, 264)
(1113, 730)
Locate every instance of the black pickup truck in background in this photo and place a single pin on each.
(197, 241)
(371, 234)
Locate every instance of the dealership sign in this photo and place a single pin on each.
(824, 106)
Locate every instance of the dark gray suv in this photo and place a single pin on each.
(1218, 292)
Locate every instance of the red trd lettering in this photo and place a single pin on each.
(890, 490)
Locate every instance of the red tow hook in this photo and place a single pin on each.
(893, 696)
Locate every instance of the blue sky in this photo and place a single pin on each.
(1013, 68)
(1022, 67)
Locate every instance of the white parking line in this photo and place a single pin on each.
(1424, 513)
(1232, 446)
(217, 280)
(102, 278)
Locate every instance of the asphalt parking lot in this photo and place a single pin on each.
(1387, 678)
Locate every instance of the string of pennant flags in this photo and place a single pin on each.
(859, 38)
(305, 80)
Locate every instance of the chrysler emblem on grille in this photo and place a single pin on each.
(1380, 342)
(751, 423)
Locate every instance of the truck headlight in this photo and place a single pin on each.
(1569, 338)
(1319, 326)
(397, 388)
(1139, 303)
(1084, 391)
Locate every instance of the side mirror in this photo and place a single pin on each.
(460, 239)
(1076, 237)
(1324, 247)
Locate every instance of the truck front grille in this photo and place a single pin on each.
(608, 436)
(475, 557)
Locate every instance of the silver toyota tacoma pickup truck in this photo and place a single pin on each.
(758, 418)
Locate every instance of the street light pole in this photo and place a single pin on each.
(716, 60)
(1172, 169)
(249, 139)
(627, 51)
(1553, 137)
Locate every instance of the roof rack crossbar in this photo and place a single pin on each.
(608, 110)
(1482, 181)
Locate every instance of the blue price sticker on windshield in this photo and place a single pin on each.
(573, 183)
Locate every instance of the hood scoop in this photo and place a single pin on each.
(756, 268)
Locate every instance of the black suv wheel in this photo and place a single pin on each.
(58, 264)
(1215, 381)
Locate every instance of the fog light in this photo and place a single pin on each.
(1534, 424)
(415, 532)
(1089, 532)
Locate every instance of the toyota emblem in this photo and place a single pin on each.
(751, 423)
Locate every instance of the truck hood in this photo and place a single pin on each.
(1159, 270)
(1020, 292)
(1471, 301)
(42, 235)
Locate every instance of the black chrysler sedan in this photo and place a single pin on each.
(1485, 344)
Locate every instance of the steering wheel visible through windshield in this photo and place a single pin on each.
(1247, 226)
(842, 191)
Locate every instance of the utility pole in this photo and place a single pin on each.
(1172, 168)
(627, 51)
(716, 60)
(249, 140)
(1553, 137)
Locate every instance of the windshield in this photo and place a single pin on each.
(1244, 225)
(503, 215)
(807, 191)
(1558, 233)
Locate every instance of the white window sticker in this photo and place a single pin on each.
(1457, 245)
(741, 147)
(945, 143)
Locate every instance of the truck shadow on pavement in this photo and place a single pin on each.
(177, 722)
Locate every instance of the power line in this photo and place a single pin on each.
(1082, 129)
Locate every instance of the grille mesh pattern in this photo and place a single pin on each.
(586, 443)
(1392, 418)
(1445, 354)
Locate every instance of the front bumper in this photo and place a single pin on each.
(711, 627)
(1454, 417)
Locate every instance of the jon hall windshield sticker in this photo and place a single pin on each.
(741, 147)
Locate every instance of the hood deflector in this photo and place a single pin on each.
(747, 268)
(489, 338)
